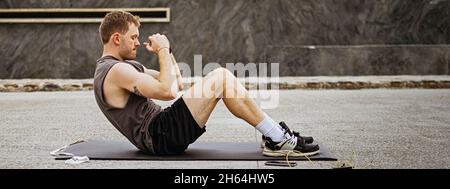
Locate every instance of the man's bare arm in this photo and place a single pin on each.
(167, 73)
(159, 44)
(163, 88)
(155, 74)
(127, 77)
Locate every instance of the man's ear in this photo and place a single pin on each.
(115, 38)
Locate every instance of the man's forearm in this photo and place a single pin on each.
(167, 75)
(153, 73)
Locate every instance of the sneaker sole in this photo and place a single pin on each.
(292, 153)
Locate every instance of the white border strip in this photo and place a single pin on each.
(78, 20)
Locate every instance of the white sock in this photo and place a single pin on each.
(277, 124)
(271, 129)
(273, 122)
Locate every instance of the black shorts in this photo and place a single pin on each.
(174, 129)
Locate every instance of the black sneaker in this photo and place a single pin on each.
(292, 146)
(308, 139)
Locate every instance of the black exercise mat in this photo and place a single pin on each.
(124, 150)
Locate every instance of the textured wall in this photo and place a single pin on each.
(365, 60)
(354, 37)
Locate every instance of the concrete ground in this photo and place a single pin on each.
(373, 128)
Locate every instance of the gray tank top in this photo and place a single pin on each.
(133, 120)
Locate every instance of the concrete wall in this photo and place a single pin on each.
(350, 37)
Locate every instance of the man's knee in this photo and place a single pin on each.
(222, 73)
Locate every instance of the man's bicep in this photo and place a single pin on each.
(125, 76)
(150, 87)
(140, 83)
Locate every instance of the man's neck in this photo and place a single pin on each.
(111, 53)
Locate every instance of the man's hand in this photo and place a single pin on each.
(156, 42)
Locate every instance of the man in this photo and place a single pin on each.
(124, 90)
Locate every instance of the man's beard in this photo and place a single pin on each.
(129, 55)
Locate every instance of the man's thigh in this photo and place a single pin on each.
(201, 98)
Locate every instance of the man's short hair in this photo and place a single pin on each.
(116, 21)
